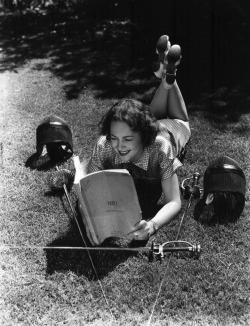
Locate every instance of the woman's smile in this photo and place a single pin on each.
(124, 153)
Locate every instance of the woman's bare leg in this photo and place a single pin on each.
(176, 108)
(169, 103)
(159, 102)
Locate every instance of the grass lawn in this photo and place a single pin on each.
(57, 287)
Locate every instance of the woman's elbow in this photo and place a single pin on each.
(178, 204)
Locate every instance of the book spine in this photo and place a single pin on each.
(79, 171)
(77, 184)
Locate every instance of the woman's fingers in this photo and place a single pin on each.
(142, 231)
(140, 225)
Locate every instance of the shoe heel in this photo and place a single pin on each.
(173, 59)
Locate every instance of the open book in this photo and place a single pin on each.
(108, 202)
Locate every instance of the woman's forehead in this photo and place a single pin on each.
(121, 127)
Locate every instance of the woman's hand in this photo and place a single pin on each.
(143, 230)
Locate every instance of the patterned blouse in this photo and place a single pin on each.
(159, 161)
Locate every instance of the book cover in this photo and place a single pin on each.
(109, 203)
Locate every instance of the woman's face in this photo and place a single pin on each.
(126, 142)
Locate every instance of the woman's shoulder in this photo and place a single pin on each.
(162, 141)
(103, 142)
(102, 147)
(163, 158)
(162, 147)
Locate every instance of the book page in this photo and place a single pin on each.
(111, 203)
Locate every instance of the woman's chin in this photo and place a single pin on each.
(124, 159)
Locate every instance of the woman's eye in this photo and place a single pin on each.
(128, 139)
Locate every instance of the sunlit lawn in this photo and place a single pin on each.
(43, 287)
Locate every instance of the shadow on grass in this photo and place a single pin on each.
(43, 163)
(81, 51)
(36, 162)
(225, 107)
(78, 260)
(109, 45)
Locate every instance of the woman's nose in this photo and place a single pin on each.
(120, 144)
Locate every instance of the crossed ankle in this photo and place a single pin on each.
(167, 69)
(170, 78)
(167, 85)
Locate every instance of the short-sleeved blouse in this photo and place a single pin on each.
(159, 161)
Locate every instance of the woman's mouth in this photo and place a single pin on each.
(123, 153)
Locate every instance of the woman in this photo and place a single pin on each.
(148, 142)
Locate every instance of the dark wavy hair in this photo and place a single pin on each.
(136, 115)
